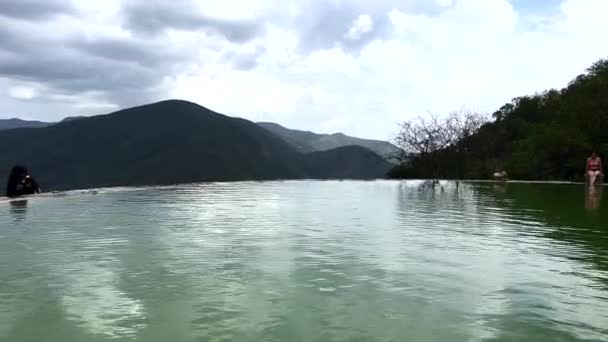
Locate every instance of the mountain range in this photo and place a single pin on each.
(303, 141)
(307, 142)
(171, 142)
(14, 123)
(18, 123)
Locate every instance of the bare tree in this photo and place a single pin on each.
(462, 125)
(423, 136)
(422, 139)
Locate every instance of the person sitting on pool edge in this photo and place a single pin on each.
(20, 183)
(594, 172)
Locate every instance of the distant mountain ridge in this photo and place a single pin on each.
(72, 118)
(171, 142)
(308, 142)
(18, 123)
(346, 162)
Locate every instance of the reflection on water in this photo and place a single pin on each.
(307, 261)
(93, 300)
(18, 209)
(593, 196)
(500, 187)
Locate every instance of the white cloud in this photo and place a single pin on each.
(22, 92)
(363, 24)
(428, 56)
(475, 54)
(239, 93)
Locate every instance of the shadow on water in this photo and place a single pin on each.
(18, 210)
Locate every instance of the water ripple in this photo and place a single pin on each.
(315, 261)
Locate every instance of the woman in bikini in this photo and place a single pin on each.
(594, 169)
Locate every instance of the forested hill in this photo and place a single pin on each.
(166, 143)
(546, 136)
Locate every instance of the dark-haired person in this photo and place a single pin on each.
(21, 183)
(594, 170)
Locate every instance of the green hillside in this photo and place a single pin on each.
(161, 143)
(545, 136)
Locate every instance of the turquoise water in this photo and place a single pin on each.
(307, 261)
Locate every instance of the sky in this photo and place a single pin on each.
(357, 66)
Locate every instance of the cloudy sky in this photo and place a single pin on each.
(356, 66)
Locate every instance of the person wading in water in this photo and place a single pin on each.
(20, 183)
(594, 173)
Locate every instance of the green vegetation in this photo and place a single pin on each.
(546, 136)
(166, 143)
